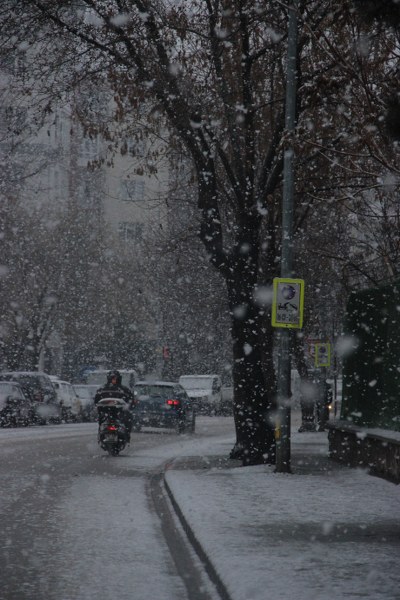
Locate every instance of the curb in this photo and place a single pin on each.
(198, 548)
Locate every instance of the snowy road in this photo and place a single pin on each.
(78, 524)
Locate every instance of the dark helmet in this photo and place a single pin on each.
(114, 377)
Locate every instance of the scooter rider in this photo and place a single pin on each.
(114, 389)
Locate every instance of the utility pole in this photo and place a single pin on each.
(284, 366)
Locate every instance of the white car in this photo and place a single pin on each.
(71, 406)
(205, 391)
(86, 394)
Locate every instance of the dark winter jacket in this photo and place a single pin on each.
(109, 390)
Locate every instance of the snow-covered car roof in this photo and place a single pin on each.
(24, 373)
(164, 383)
(200, 376)
(86, 385)
(61, 381)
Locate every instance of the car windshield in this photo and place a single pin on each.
(196, 383)
(9, 389)
(3, 397)
(35, 382)
(6, 390)
(155, 390)
(84, 391)
(98, 378)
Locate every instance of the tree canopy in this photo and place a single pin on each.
(213, 73)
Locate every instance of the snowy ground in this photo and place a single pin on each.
(77, 524)
(324, 532)
(88, 530)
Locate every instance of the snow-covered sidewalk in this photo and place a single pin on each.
(323, 532)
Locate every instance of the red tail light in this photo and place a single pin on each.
(111, 428)
(173, 402)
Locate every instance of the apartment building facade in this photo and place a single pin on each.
(59, 162)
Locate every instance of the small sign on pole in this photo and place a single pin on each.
(288, 303)
(323, 354)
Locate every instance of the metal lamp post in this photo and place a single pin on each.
(284, 367)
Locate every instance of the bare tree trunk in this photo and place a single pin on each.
(253, 404)
(253, 395)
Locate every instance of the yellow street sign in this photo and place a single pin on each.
(288, 303)
(322, 354)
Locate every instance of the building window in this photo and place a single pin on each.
(132, 190)
(136, 147)
(20, 66)
(14, 63)
(90, 148)
(129, 231)
(15, 119)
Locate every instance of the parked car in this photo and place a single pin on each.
(86, 394)
(71, 407)
(163, 404)
(38, 388)
(99, 377)
(205, 391)
(227, 401)
(15, 407)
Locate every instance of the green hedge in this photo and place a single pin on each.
(371, 370)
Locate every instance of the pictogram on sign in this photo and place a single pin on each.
(288, 303)
(323, 354)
